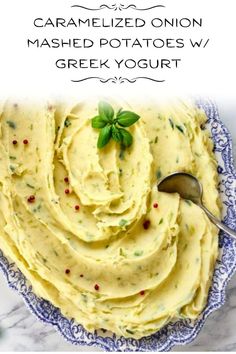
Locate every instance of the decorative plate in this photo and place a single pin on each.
(182, 331)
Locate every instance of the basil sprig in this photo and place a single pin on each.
(112, 125)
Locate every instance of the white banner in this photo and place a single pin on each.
(156, 47)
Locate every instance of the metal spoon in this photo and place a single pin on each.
(188, 187)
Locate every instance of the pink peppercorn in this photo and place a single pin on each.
(146, 224)
(25, 142)
(31, 199)
(155, 205)
(96, 287)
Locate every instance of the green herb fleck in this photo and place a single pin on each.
(158, 173)
(12, 157)
(156, 140)
(11, 124)
(161, 307)
(180, 128)
(185, 246)
(122, 153)
(161, 221)
(84, 298)
(129, 331)
(171, 123)
(37, 208)
(89, 235)
(123, 222)
(67, 122)
(138, 253)
(30, 186)
(122, 253)
(192, 230)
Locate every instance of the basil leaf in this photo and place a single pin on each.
(98, 122)
(106, 111)
(127, 138)
(116, 134)
(127, 118)
(104, 136)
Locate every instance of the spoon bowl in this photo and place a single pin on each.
(185, 184)
(189, 187)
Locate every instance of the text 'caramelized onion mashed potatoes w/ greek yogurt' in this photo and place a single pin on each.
(88, 227)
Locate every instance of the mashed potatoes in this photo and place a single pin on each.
(88, 227)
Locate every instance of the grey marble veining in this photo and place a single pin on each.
(21, 331)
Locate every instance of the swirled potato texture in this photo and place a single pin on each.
(88, 227)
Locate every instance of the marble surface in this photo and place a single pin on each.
(21, 331)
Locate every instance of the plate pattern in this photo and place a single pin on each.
(182, 331)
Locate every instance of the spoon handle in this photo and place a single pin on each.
(218, 223)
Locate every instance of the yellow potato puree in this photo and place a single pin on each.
(88, 227)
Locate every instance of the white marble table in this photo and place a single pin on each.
(20, 331)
